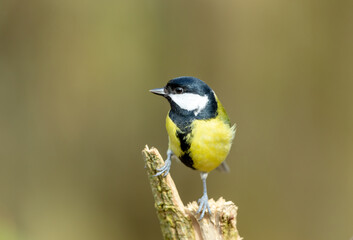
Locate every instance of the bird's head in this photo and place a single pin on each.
(189, 95)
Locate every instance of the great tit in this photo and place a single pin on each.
(199, 130)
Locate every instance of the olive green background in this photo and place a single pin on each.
(75, 113)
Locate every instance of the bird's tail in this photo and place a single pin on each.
(223, 167)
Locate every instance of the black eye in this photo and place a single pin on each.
(179, 90)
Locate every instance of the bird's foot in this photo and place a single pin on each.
(165, 169)
(203, 201)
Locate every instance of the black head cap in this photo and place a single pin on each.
(187, 85)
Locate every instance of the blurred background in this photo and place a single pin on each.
(75, 113)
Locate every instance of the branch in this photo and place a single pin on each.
(180, 222)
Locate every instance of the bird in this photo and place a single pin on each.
(199, 130)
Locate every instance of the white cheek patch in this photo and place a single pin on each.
(190, 101)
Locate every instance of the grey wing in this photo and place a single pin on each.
(223, 167)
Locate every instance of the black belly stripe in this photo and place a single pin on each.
(185, 146)
(186, 159)
(182, 136)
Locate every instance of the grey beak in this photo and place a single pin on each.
(158, 91)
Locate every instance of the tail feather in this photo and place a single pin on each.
(223, 167)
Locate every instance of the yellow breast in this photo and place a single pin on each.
(210, 140)
(210, 144)
(174, 143)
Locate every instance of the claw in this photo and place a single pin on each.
(166, 172)
(200, 206)
(165, 168)
(203, 201)
(161, 169)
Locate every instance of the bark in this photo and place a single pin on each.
(181, 222)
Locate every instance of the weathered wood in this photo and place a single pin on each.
(180, 222)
